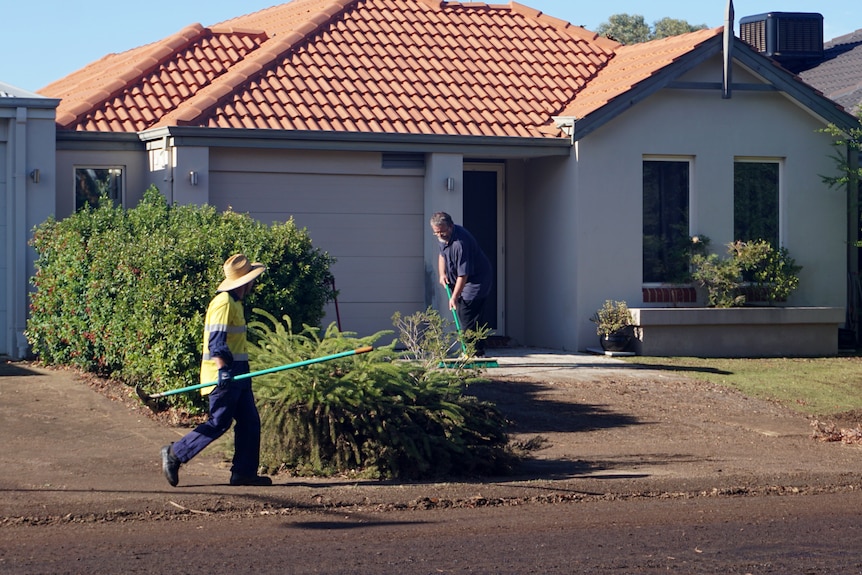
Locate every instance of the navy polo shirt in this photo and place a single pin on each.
(463, 257)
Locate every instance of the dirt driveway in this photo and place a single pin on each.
(75, 451)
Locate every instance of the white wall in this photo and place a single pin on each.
(552, 260)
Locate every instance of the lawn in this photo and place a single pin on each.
(814, 386)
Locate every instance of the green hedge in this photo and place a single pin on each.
(123, 292)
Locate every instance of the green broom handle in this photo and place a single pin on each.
(457, 321)
(357, 351)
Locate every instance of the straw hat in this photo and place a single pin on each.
(238, 272)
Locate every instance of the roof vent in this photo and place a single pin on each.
(791, 38)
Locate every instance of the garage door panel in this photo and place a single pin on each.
(313, 193)
(378, 279)
(354, 235)
(366, 319)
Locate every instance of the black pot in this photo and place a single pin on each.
(615, 341)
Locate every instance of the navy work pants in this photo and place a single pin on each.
(469, 313)
(232, 402)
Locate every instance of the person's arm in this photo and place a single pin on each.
(456, 291)
(441, 270)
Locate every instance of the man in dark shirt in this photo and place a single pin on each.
(464, 267)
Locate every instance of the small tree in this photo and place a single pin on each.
(372, 415)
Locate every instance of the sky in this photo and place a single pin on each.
(45, 40)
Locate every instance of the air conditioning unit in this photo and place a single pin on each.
(785, 36)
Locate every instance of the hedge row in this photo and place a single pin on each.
(123, 292)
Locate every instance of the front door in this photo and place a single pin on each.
(483, 217)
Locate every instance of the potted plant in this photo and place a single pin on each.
(614, 325)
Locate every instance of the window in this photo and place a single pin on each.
(755, 200)
(93, 183)
(665, 220)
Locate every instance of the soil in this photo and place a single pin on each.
(626, 470)
(86, 449)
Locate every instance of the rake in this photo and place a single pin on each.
(150, 400)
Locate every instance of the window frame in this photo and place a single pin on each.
(691, 208)
(120, 200)
(780, 212)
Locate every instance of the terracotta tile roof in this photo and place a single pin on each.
(396, 66)
(632, 65)
(129, 92)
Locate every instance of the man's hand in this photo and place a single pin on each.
(224, 377)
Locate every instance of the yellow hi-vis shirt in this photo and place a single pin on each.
(225, 317)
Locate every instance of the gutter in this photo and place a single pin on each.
(468, 146)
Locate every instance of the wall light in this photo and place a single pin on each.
(450, 184)
(35, 176)
(193, 177)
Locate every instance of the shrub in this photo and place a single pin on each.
(771, 273)
(429, 339)
(372, 415)
(122, 292)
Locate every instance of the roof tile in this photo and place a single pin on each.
(632, 65)
(373, 65)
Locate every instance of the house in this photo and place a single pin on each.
(553, 145)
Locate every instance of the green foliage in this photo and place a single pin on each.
(372, 415)
(667, 27)
(846, 147)
(612, 317)
(753, 267)
(122, 293)
(721, 278)
(625, 28)
(429, 339)
(632, 28)
(848, 173)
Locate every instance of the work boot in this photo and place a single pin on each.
(258, 480)
(170, 465)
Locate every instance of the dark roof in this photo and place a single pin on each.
(839, 73)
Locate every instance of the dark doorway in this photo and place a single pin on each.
(480, 218)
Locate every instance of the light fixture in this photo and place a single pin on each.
(193, 177)
(34, 175)
(450, 184)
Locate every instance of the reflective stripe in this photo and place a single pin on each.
(225, 328)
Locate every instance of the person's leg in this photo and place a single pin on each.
(469, 313)
(246, 458)
(221, 413)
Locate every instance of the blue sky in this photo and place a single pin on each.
(45, 40)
